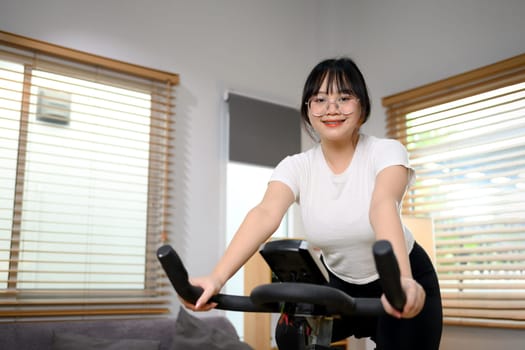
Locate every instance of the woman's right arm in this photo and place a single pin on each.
(258, 225)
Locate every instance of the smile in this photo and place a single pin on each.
(333, 123)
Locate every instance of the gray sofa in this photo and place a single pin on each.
(186, 332)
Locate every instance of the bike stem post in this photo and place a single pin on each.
(321, 335)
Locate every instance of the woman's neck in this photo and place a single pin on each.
(338, 155)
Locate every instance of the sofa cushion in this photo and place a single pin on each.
(39, 335)
(70, 341)
(192, 333)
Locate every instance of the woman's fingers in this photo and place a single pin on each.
(415, 300)
(415, 297)
(200, 305)
(209, 287)
(389, 309)
(203, 303)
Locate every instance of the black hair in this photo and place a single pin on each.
(342, 73)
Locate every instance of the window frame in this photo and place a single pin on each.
(20, 305)
(504, 73)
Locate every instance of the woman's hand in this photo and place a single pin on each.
(415, 299)
(210, 286)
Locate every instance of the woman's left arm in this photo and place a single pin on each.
(385, 208)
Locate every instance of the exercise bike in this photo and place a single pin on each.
(300, 288)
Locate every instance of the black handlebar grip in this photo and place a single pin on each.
(178, 276)
(389, 275)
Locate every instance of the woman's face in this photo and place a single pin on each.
(342, 118)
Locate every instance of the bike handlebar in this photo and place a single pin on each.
(389, 275)
(178, 276)
(269, 297)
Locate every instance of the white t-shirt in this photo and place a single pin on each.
(335, 207)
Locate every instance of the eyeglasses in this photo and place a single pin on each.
(319, 104)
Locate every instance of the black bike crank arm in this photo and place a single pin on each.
(389, 275)
(178, 276)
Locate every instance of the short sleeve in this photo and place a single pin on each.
(287, 172)
(391, 152)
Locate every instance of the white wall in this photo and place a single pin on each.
(265, 49)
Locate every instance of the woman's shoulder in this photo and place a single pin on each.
(299, 163)
(381, 143)
(305, 156)
(375, 140)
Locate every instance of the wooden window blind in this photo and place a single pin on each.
(466, 139)
(85, 148)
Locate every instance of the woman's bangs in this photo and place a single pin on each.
(336, 79)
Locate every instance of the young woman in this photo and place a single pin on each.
(350, 188)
